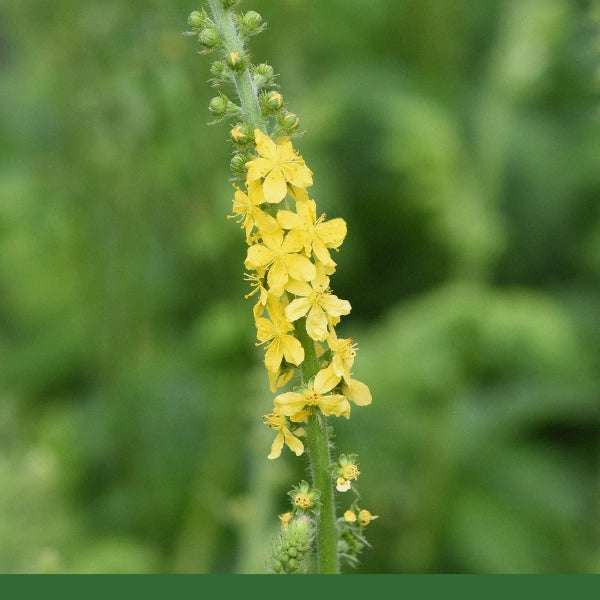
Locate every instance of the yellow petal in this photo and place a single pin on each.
(326, 380)
(277, 276)
(334, 306)
(321, 252)
(274, 186)
(335, 404)
(294, 444)
(297, 308)
(257, 168)
(288, 219)
(358, 392)
(264, 329)
(276, 446)
(299, 267)
(273, 356)
(298, 288)
(298, 174)
(292, 349)
(289, 403)
(332, 233)
(294, 241)
(258, 256)
(316, 324)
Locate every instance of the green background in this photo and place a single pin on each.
(459, 140)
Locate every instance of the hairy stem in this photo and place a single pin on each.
(320, 460)
(244, 85)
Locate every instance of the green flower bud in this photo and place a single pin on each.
(218, 106)
(196, 20)
(271, 102)
(263, 75)
(209, 38)
(241, 134)
(220, 72)
(251, 23)
(238, 163)
(290, 122)
(236, 61)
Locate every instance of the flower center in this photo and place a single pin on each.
(350, 472)
(302, 500)
(311, 397)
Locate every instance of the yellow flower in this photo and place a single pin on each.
(319, 306)
(318, 234)
(278, 422)
(344, 352)
(350, 516)
(316, 395)
(280, 256)
(275, 332)
(245, 207)
(365, 517)
(279, 164)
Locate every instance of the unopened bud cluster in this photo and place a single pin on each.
(234, 68)
(292, 548)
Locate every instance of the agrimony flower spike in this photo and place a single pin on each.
(289, 266)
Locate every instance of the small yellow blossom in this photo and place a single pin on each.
(365, 517)
(291, 403)
(350, 471)
(280, 256)
(276, 333)
(277, 422)
(319, 306)
(344, 352)
(349, 516)
(318, 234)
(247, 212)
(279, 164)
(302, 501)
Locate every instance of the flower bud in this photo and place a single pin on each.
(241, 134)
(263, 75)
(238, 163)
(209, 38)
(220, 72)
(290, 122)
(271, 102)
(218, 106)
(252, 23)
(292, 549)
(236, 61)
(196, 20)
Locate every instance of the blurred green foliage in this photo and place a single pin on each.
(460, 141)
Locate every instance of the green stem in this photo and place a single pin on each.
(320, 461)
(244, 85)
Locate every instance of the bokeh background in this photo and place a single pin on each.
(459, 140)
